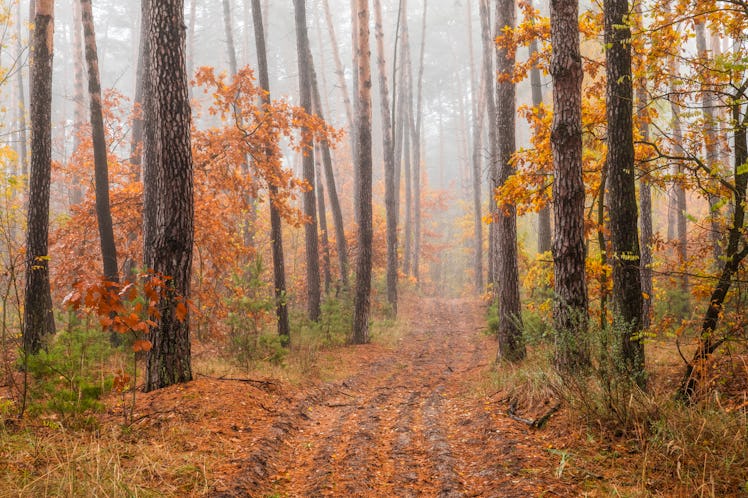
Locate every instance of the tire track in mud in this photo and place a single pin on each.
(406, 424)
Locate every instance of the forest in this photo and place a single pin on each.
(373, 248)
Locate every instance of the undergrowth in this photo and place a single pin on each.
(673, 449)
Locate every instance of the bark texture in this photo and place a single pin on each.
(310, 209)
(168, 162)
(626, 260)
(362, 298)
(389, 162)
(570, 313)
(511, 344)
(493, 171)
(38, 319)
(101, 167)
(276, 229)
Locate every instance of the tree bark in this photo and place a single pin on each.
(493, 173)
(228, 29)
(477, 90)
(511, 344)
(310, 210)
(276, 231)
(416, 130)
(626, 259)
(544, 215)
(389, 162)
(101, 167)
(168, 250)
(332, 191)
(734, 256)
(190, 43)
(322, 212)
(710, 144)
(38, 317)
(22, 148)
(362, 299)
(79, 97)
(339, 69)
(570, 314)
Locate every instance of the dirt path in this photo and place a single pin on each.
(408, 423)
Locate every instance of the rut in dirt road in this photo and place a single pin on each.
(407, 424)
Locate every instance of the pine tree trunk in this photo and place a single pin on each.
(362, 298)
(79, 97)
(490, 78)
(322, 214)
(645, 196)
(511, 344)
(389, 162)
(310, 209)
(626, 259)
(407, 102)
(544, 215)
(569, 251)
(21, 105)
(229, 31)
(276, 231)
(101, 167)
(710, 145)
(339, 69)
(332, 191)
(416, 128)
(141, 78)
(356, 101)
(477, 91)
(38, 318)
(168, 157)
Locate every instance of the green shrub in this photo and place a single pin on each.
(70, 376)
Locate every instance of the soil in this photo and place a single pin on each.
(408, 421)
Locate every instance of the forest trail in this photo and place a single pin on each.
(410, 422)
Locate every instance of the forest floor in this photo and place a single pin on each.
(412, 420)
(414, 413)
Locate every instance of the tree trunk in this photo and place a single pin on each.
(339, 70)
(734, 256)
(79, 97)
(168, 251)
(678, 224)
(489, 76)
(710, 145)
(544, 215)
(570, 315)
(362, 299)
(389, 163)
(141, 78)
(229, 31)
(101, 168)
(22, 139)
(310, 210)
(38, 317)
(511, 344)
(416, 129)
(353, 131)
(322, 212)
(627, 290)
(332, 191)
(477, 91)
(276, 232)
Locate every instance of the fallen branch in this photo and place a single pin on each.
(538, 423)
(237, 379)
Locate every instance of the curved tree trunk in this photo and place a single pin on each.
(569, 251)
(101, 168)
(168, 158)
(38, 319)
